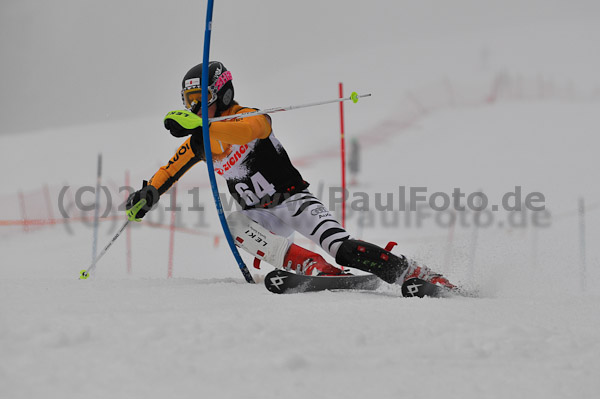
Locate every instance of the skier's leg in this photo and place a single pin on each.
(307, 215)
(253, 231)
(384, 264)
(373, 259)
(257, 240)
(304, 213)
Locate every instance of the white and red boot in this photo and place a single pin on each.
(309, 263)
(425, 273)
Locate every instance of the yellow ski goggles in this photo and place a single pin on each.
(193, 96)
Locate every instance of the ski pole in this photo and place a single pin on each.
(97, 208)
(354, 97)
(84, 274)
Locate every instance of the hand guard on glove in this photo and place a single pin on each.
(140, 202)
(183, 123)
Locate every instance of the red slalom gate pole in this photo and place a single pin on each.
(46, 190)
(343, 153)
(172, 235)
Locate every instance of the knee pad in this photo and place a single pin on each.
(257, 240)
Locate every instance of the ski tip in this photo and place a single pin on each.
(83, 275)
(416, 287)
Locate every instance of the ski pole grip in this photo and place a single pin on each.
(132, 212)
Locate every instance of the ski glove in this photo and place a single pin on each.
(183, 123)
(140, 202)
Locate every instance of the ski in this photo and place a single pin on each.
(416, 287)
(283, 282)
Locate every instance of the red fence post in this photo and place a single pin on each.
(23, 212)
(49, 204)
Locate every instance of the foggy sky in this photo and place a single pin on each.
(75, 62)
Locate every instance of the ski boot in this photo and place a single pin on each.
(415, 280)
(306, 262)
(426, 274)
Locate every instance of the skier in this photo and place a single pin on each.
(274, 198)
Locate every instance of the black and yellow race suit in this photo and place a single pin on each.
(246, 153)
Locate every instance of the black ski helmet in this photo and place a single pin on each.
(220, 86)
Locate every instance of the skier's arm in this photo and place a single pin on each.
(236, 131)
(241, 131)
(187, 155)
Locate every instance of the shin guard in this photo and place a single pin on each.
(373, 259)
(257, 240)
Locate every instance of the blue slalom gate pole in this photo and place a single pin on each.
(207, 149)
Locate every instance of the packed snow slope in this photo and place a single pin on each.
(481, 97)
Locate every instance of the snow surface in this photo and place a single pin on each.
(431, 67)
